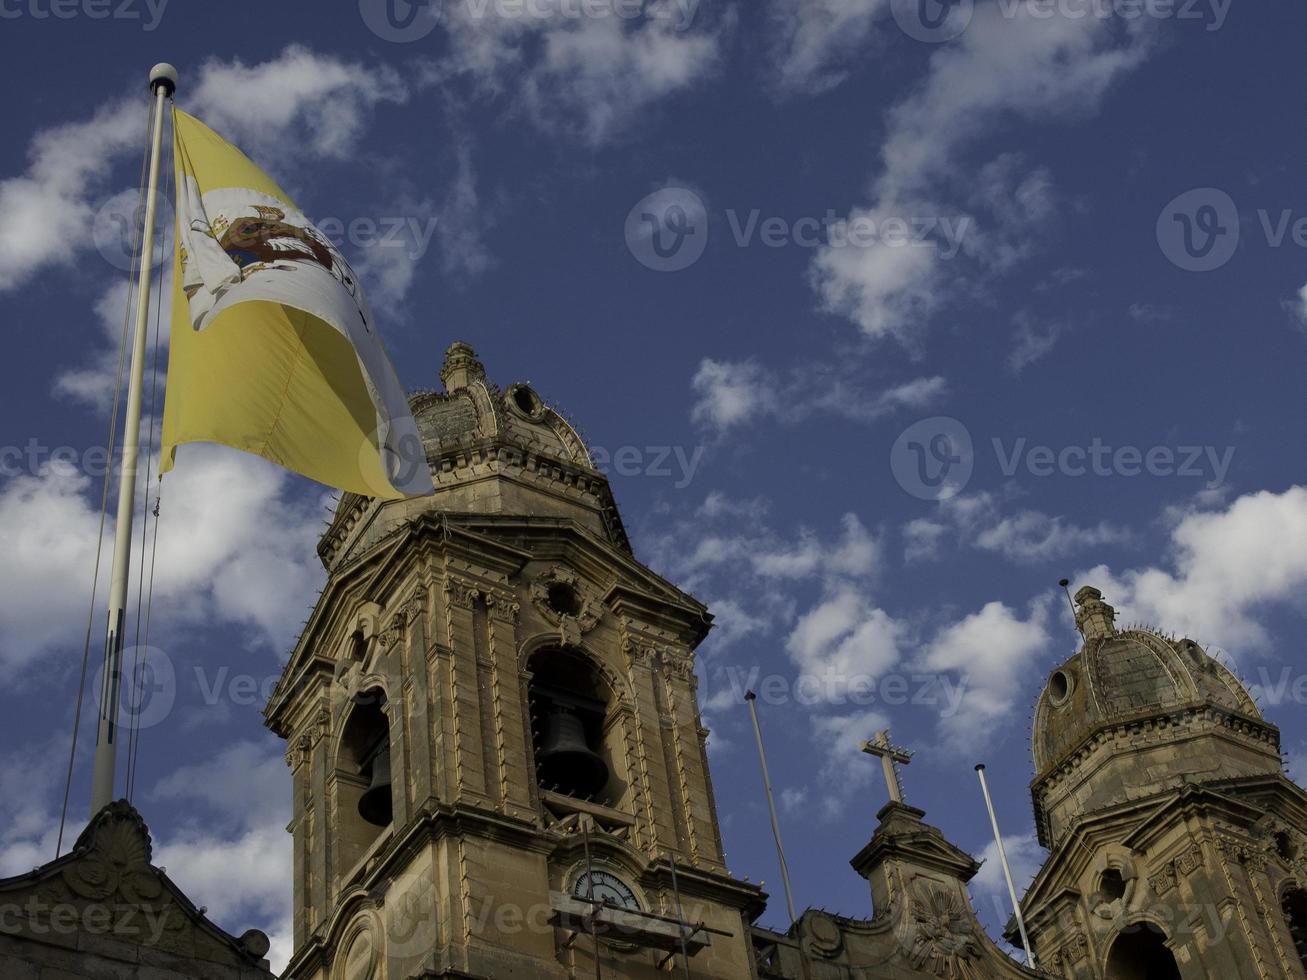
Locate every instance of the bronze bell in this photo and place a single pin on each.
(374, 804)
(565, 760)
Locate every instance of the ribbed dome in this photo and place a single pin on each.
(472, 409)
(1125, 675)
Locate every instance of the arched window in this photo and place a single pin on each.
(363, 800)
(1295, 913)
(569, 717)
(1140, 953)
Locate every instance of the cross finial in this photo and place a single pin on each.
(889, 757)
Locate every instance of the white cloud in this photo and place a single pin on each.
(844, 643)
(50, 555)
(47, 211)
(979, 521)
(1033, 341)
(233, 853)
(1020, 65)
(1032, 535)
(587, 75)
(1225, 566)
(299, 100)
(731, 393)
(727, 393)
(1298, 306)
(245, 782)
(236, 545)
(816, 41)
(989, 653)
(29, 822)
(769, 556)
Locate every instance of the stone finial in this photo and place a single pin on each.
(1094, 618)
(461, 367)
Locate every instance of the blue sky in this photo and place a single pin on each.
(934, 316)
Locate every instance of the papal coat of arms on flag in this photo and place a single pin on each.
(282, 357)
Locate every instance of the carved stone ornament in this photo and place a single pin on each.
(394, 630)
(1242, 851)
(1071, 952)
(824, 935)
(940, 934)
(110, 885)
(574, 617)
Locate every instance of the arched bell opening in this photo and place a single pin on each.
(570, 707)
(1141, 953)
(363, 776)
(1294, 905)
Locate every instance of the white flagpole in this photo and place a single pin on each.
(750, 697)
(163, 82)
(1007, 871)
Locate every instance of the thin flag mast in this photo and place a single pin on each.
(750, 697)
(1007, 871)
(163, 82)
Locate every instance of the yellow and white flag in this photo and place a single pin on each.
(274, 350)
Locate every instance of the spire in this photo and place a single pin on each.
(1094, 617)
(461, 367)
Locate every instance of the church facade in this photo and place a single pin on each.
(499, 770)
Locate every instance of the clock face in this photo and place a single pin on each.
(601, 886)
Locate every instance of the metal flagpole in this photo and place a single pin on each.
(163, 82)
(1007, 872)
(771, 807)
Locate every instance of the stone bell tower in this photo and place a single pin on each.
(493, 734)
(1176, 841)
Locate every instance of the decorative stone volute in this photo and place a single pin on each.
(1094, 617)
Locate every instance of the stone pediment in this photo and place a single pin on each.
(903, 836)
(104, 910)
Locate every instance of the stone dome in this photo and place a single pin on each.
(1122, 676)
(473, 410)
(493, 453)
